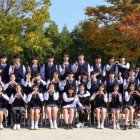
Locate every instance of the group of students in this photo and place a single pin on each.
(81, 87)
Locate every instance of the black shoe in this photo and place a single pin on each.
(66, 126)
(130, 126)
(125, 127)
(70, 126)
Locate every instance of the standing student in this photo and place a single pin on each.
(48, 68)
(100, 98)
(18, 101)
(3, 105)
(84, 80)
(18, 69)
(81, 66)
(65, 67)
(128, 108)
(70, 99)
(51, 98)
(83, 111)
(35, 100)
(115, 104)
(98, 68)
(122, 66)
(4, 69)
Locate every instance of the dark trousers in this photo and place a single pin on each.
(83, 114)
(17, 116)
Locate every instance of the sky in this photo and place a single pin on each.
(70, 12)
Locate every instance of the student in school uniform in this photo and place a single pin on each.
(48, 68)
(18, 101)
(18, 69)
(65, 67)
(111, 66)
(111, 81)
(122, 66)
(70, 100)
(98, 68)
(129, 106)
(131, 79)
(37, 80)
(56, 81)
(83, 111)
(35, 100)
(81, 66)
(70, 81)
(35, 67)
(100, 98)
(4, 69)
(137, 97)
(115, 104)
(51, 98)
(9, 89)
(3, 105)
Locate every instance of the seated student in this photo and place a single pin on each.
(18, 100)
(56, 81)
(35, 100)
(51, 98)
(3, 105)
(83, 111)
(100, 98)
(128, 108)
(70, 99)
(38, 81)
(115, 100)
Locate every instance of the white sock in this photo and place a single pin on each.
(36, 123)
(102, 123)
(55, 121)
(98, 123)
(32, 123)
(51, 122)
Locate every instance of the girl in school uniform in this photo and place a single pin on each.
(3, 105)
(70, 99)
(51, 98)
(100, 98)
(115, 103)
(128, 108)
(35, 100)
(83, 111)
(18, 100)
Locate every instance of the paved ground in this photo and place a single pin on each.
(75, 134)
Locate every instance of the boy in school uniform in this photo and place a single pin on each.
(17, 68)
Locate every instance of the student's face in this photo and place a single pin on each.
(16, 60)
(85, 77)
(132, 87)
(93, 76)
(12, 78)
(51, 88)
(111, 60)
(35, 89)
(55, 75)
(38, 77)
(132, 73)
(50, 60)
(111, 76)
(101, 88)
(98, 60)
(66, 58)
(81, 57)
(34, 61)
(81, 88)
(122, 59)
(116, 88)
(71, 91)
(18, 89)
(70, 76)
(3, 60)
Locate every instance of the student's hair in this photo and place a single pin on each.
(81, 85)
(65, 54)
(56, 73)
(51, 84)
(92, 73)
(12, 74)
(37, 74)
(102, 85)
(35, 86)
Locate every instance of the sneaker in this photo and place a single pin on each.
(83, 124)
(130, 126)
(32, 127)
(125, 127)
(79, 125)
(15, 127)
(18, 126)
(118, 127)
(55, 125)
(51, 125)
(70, 126)
(102, 126)
(1, 127)
(114, 127)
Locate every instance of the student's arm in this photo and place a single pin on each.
(87, 94)
(66, 99)
(93, 97)
(41, 97)
(11, 100)
(5, 97)
(56, 96)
